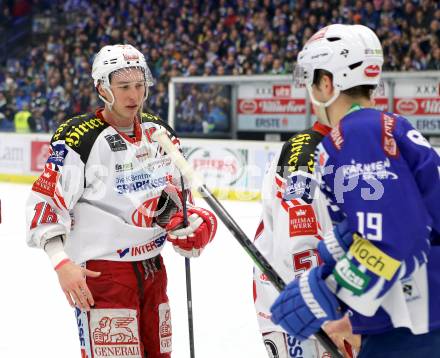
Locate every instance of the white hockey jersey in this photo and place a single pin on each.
(294, 218)
(100, 190)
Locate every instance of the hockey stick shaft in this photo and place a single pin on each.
(259, 260)
(188, 278)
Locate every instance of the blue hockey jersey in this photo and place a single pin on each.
(382, 175)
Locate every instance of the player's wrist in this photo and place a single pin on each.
(54, 248)
(61, 263)
(336, 244)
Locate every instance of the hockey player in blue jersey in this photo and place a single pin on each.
(381, 178)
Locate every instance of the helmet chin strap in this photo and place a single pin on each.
(322, 106)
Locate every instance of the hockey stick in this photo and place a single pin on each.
(188, 277)
(259, 260)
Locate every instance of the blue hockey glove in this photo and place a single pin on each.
(305, 304)
(332, 248)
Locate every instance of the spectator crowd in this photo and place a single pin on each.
(51, 80)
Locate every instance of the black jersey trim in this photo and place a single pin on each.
(80, 133)
(298, 153)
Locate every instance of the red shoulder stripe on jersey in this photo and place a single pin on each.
(278, 181)
(389, 144)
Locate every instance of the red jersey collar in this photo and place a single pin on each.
(321, 128)
(136, 128)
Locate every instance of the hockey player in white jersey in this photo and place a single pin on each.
(294, 220)
(381, 263)
(106, 203)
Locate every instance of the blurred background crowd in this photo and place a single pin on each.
(48, 47)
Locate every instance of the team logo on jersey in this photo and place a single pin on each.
(300, 186)
(115, 333)
(378, 170)
(302, 221)
(144, 214)
(165, 332)
(57, 154)
(116, 142)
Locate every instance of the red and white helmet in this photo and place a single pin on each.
(113, 58)
(351, 53)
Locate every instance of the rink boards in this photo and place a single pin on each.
(231, 169)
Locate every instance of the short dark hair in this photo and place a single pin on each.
(365, 91)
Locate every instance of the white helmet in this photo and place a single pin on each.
(112, 58)
(351, 53)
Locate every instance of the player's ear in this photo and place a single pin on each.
(101, 90)
(327, 84)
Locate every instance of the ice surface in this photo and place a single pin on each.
(37, 322)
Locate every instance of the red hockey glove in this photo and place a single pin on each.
(189, 241)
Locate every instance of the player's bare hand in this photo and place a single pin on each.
(340, 332)
(72, 279)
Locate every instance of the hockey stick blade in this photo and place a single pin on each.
(260, 261)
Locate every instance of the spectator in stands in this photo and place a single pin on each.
(434, 62)
(217, 120)
(186, 38)
(23, 120)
